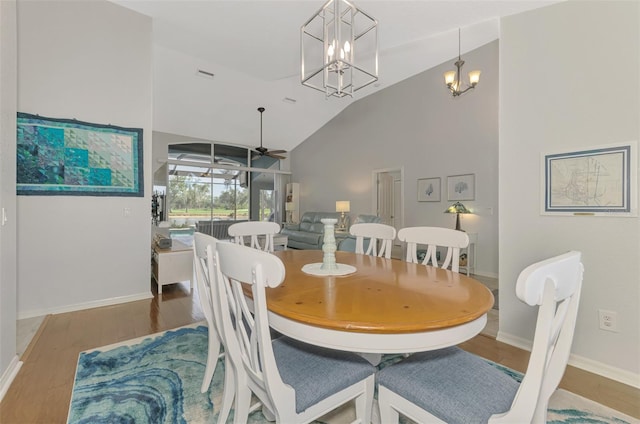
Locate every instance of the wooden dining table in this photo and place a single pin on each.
(385, 306)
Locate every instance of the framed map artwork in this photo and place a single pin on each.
(598, 181)
(70, 157)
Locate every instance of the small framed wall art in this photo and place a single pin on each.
(429, 189)
(461, 187)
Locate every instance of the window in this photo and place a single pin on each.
(229, 185)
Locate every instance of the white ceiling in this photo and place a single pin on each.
(253, 48)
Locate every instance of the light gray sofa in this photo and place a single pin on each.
(308, 234)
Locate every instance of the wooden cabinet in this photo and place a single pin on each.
(172, 265)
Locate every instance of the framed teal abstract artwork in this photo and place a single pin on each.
(74, 158)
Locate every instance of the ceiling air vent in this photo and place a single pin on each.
(205, 74)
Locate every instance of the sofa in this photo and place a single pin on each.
(309, 233)
(348, 244)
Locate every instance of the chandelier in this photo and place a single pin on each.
(452, 78)
(339, 49)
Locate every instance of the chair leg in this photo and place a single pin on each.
(540, 414)
(242, 403)
(364, 401)
(387, 413)
(268, 415)
(212, 359)
(228, 393)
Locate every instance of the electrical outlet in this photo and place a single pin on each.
(608, 320)
(126, 212)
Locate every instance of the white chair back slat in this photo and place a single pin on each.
(246, 335)
(555, 285)
(432, 237)
(380, 236)
(203, 247)
(255, 231)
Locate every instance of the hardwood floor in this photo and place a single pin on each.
(42, 389)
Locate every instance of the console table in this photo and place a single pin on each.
(172, 265)
(470, 267)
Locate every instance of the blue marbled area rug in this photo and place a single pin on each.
(157, 380)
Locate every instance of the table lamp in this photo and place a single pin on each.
(457, 208)
(343, 206)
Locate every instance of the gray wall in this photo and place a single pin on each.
(9, 363)
(569, 80)
(418, 126)
(90, 61)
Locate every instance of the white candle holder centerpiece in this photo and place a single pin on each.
(329, 245)
(328, 266)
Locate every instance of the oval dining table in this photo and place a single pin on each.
(385, 306)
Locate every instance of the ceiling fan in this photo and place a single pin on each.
(263, 151)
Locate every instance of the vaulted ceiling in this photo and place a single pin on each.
(253, 50)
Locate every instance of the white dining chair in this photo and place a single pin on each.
(434, 237)
(296, 382)
(255, 231)
(453, 386)
(380, 238)
(203, 283)
(204, 250)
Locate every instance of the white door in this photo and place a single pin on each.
(385, 198)
(388, 196)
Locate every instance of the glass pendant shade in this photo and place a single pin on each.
(474, 77)
(449, 77)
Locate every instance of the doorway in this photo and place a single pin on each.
(388, 197)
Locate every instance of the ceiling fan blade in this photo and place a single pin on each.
(270, 154)
(277, 152)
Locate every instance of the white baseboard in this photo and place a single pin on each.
(9, 374)
(485, 274)
(614, 373)
(85, 305)
(512, 340)
(596, 367)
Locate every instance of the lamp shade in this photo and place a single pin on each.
(343, 206)
(449, 77)
(457, 207)
(474, 78)
(289, 206)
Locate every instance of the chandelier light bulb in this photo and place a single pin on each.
(330, 51)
